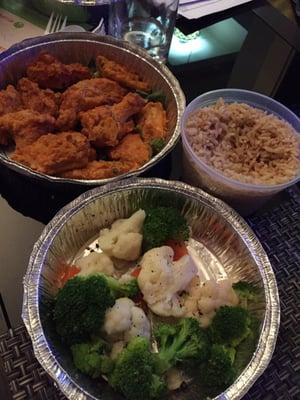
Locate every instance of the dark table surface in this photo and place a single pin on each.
(260, 51)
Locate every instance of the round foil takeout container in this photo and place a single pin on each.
(222, 241)
(83, 47)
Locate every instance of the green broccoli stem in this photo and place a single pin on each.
(129, 289)
(167, 353)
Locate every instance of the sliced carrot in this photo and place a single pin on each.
(136, 272)
(179, 248)
(68, 272)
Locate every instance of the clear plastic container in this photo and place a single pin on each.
(244, 197)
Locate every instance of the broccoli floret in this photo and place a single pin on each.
(245, 350)
(219, 373)
(162, 224)
(157, 145)
(90, 359)
(80, 307)
(185, 343)
(230, 325)
(82, 302)
(135, 374)
(246, 292)
(128, 289)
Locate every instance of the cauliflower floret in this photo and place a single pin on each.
(169, 307)
(140, 326)
(175, 378)
(125, 320)
(123, 240)
(118, 318)
(156, 274)
(184, 271)
(161, 280)
(95, 262)
(204, 299)
(116, 349)
(128, 246)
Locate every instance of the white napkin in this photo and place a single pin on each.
(199, 8)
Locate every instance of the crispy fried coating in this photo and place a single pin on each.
(50, 73)
(131, 148)
(53, 154)
(153, 121)
(105, 126)
(101, 170)
(44, 101)
(10, 100)
(112, 70)
(130, 105)
(86, 95)
(24, 127)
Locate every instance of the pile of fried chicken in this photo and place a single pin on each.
(66, 122)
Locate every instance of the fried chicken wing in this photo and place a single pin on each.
(153, 121)
(86, 95)
(101, 170)
(24, 127)
(131, 148)
(130, 105)
(44, 101)
(50, 73)
(112, 70)
(53, 154)
(10, 100)
(105, 126)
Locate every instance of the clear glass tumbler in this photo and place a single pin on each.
(146, 23)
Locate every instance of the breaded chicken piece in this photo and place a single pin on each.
(105, 126)
(101, 170)
(44, 101)
(49, 73)
(131, 148)
(112, 70)
(53, 154)
(101, 128)
(153, 121)
(86, 95)
(10, 100)
(24, 127)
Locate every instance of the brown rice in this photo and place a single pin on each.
(244, 143)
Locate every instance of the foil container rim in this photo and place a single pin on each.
(124, 46)
(30, 311)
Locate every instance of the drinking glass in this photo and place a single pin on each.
(146, 23)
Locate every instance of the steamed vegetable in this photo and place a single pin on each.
(162, 224)
(230, 325)
(90, 358)
(81, 305)
(122, 289)
(245, 350)
(219, 373)
(135, 374)
(185, 342)
(246, 292)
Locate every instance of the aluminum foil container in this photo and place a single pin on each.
(225, 244)
(83, 47)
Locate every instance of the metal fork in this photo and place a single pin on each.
(56, 23)
(100, 27)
